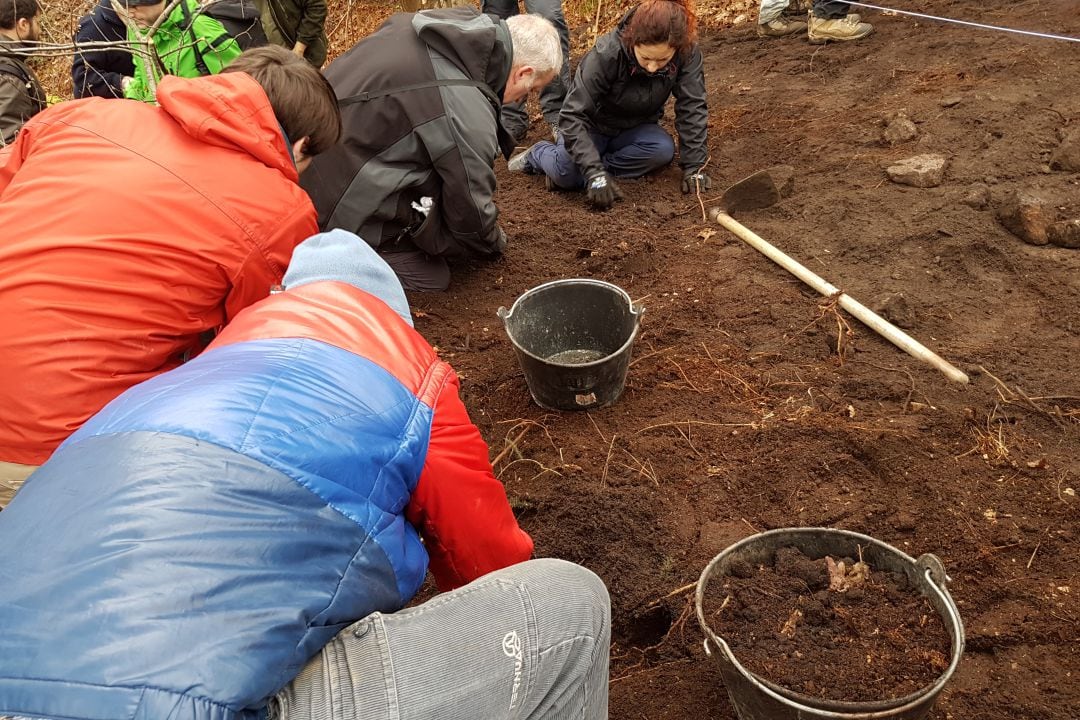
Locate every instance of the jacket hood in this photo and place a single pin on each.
(341, 256)
(229, 110)
(104, 11)
(477, 44)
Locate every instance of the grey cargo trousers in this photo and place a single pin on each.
(524, 643)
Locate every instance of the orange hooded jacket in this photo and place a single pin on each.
(128, 231)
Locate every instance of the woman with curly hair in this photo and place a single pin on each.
(609, 120)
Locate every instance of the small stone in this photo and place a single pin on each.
(784, 178)
(1067, 156)
(1064, 234)
(1022, 214)
(899, 129)
(951, 101)
(903, 521)
(924, 171)
(897, 310)
(978, 197)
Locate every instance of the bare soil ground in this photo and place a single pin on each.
(740, 414)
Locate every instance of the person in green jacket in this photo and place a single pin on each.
(297, 25)
(188, 43)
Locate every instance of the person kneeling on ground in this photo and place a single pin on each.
(420, 100)
(245, 529)
(104, 294)
(609, 121)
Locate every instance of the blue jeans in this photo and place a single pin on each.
(630, 154)
(514, 117)
(528, 642)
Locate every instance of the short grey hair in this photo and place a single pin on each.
(536, 43)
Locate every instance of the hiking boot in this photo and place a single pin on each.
(780, 27)
(520, 162)
(555, 132)
(822, 31)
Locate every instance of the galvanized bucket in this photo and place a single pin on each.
(755, 698)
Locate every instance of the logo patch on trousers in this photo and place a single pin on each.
(511, 645)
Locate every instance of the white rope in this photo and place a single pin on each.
(962, 22)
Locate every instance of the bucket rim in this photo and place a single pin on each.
(840, 710)
(636, 311)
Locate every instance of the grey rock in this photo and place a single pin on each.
(977, 196)
(951, 101)
(784, 177)
(897, 310)
(1022, 213)
(1065, 233)
(899, 129)
(1067, 155)
(922, 171)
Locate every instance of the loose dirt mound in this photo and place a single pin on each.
(740, 415)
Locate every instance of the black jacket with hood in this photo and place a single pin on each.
(420, 101)
(100, 72)
(612, 93)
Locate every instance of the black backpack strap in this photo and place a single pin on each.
(214, 44)
(10, 66)
(366, 96)
(506, 142)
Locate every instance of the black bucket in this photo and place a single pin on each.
(573, 339)
(755, 698)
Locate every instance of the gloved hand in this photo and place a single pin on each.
(602, 190)
(694, 179)
(500, 242)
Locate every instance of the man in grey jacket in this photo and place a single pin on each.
(420, 100)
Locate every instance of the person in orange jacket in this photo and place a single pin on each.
(132, 232)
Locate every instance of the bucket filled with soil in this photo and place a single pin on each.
(819, 623)
(573, 339)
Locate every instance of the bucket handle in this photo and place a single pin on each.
(503, 313)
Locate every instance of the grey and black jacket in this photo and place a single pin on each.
(21, 95)
(420, 101)
(611, 93)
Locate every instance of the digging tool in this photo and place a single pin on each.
(758, 191)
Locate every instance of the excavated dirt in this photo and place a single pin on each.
(740, 415)
(848, 632)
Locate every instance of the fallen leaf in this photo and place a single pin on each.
(706, 233)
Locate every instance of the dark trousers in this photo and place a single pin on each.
(630, 154)
(830, 9)
(514, 117)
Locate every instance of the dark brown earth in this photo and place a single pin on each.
(739, 414)
(854, 633)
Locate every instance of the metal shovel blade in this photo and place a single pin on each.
(756, 191)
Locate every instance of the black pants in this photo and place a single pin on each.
(830, 9)
(514, 117)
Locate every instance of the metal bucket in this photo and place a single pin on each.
(573, 339)
(755, 698)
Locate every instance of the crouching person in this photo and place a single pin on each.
(237, 537)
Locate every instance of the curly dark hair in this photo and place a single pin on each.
(11, 11)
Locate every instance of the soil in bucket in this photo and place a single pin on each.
(831, 628)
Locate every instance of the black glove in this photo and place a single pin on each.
(694, 179)
(602, 190)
